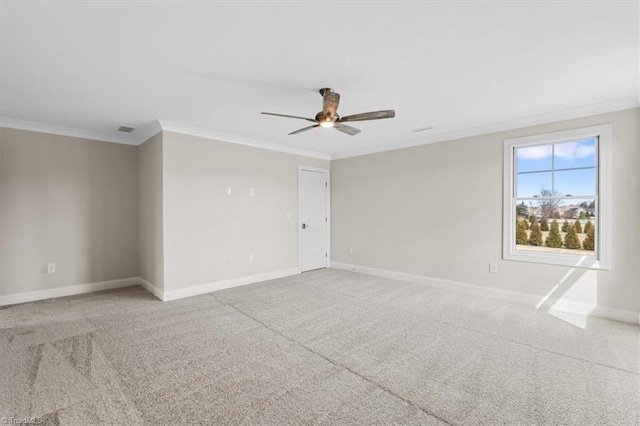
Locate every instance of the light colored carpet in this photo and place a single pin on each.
(325, 347)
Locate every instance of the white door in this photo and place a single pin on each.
(313, 219)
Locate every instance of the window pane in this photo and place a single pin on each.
(548, 208)
(533, 158)
(530, 184)
(578, 226)
(569, 229)
(576, 182)
(575, 154)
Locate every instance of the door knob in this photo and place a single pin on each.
(304, 226)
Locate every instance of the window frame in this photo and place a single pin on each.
(602, 257)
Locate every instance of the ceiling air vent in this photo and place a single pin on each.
(125, 129)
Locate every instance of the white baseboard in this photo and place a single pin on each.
(562, 305)
(151, 288)
(195, 290)
(165, 296)
(31, 296)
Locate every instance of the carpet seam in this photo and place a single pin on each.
(334, 363)
(117, 373)
(474, 331)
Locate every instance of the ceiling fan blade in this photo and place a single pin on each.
(352, 131)
(330, 101)
(304, 129)
(374, 115)
(289, 116)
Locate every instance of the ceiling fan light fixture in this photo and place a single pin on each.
(329, 117)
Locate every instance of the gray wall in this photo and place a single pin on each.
(204, 226)
(436, 211)
(150, 211)
(70, 201)
(105, 211)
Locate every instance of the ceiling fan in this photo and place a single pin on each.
(329, 117)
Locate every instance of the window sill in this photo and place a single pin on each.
(570, 260)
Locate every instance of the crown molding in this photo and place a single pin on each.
(141, 134)
(535, 120)
(168, 126)
(53, 129)
(138, 136)
(147, 132)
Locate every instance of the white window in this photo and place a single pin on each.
(557, 198)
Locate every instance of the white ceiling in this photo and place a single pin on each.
(463, 68)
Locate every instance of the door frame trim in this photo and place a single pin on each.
(327, 173)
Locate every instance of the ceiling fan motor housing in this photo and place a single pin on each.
(325, 116)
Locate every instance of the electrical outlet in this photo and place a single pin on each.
(228, 190)
(350, 250)
(51, 268)
(228, 261)
(250, 258)
(251, 192)
(493, 268)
